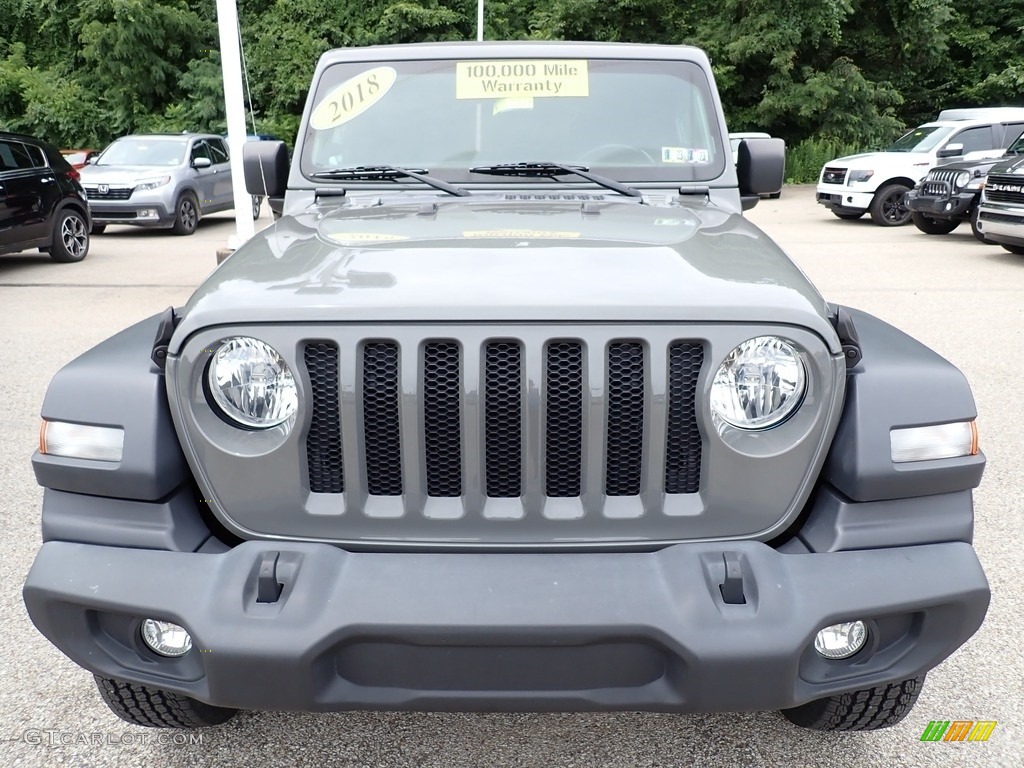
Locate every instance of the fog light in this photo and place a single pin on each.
(166, 638)
(148, 213)
(841, 641)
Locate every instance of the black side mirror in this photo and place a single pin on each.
(761, 166)
(951, 150)
(265, 164)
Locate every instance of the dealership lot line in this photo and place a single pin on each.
(964, 299)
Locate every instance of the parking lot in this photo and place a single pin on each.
(962, 298)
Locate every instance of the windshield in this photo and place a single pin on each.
(1017, 148)
(923, 139)
(632, 120)
(144, 151)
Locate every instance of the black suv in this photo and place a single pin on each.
(42, 203)
(950, 194)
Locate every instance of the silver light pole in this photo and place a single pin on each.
(479, 19)
(234, 108)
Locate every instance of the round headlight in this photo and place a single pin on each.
(251, 383)
(962, 179)
(759, 384)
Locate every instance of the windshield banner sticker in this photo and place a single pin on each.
(521, 79)
(352, 98)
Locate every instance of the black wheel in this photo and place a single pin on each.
(257, 202)
(98, 229)
(1017, 249)
(889, 206)
(931, 226)
(70, 237)
(141, 705)
(866, 710)
(186, 217)
(849, 216)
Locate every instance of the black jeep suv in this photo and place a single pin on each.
(950, 194)
(42, 203)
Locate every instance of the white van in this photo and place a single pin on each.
(877, 182)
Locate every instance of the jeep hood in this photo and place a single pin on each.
(498, 260)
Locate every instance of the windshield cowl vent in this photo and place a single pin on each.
(561, 196)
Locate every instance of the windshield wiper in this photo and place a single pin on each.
(548, 170)
(389, 172)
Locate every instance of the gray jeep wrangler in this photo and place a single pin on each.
(511, 410)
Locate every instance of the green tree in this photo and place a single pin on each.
(134, 52)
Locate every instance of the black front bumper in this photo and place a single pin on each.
(565, 632)
(952, 206)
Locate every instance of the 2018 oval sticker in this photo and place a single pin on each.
(352, 98)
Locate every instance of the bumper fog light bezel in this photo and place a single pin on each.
(856, 629)
(156, 635)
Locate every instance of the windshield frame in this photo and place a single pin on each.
(657, 173)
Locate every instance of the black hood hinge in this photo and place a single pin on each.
(168, 322)
(847, 332)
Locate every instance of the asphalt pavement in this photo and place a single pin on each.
(962, 298)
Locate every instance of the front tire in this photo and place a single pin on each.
(931, 226)
(889, 207)
(866, 710)
(257, 203)
(154, 708)
(186, 215)
(70, 237)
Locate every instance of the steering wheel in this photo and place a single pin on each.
(614, 149)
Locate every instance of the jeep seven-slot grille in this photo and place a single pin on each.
(1004, 189)
(939, 183)
(567, 386)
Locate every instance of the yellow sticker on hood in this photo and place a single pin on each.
(521, 78)
(521, 233)
(352, 98)
(351, 238)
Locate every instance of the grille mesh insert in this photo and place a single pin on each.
(442, 422)
(564, 418)
(503, 411)
(683, 444)
(625, 442)
(323, 444)
(381, 419)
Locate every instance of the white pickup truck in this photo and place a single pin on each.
(877, 182)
